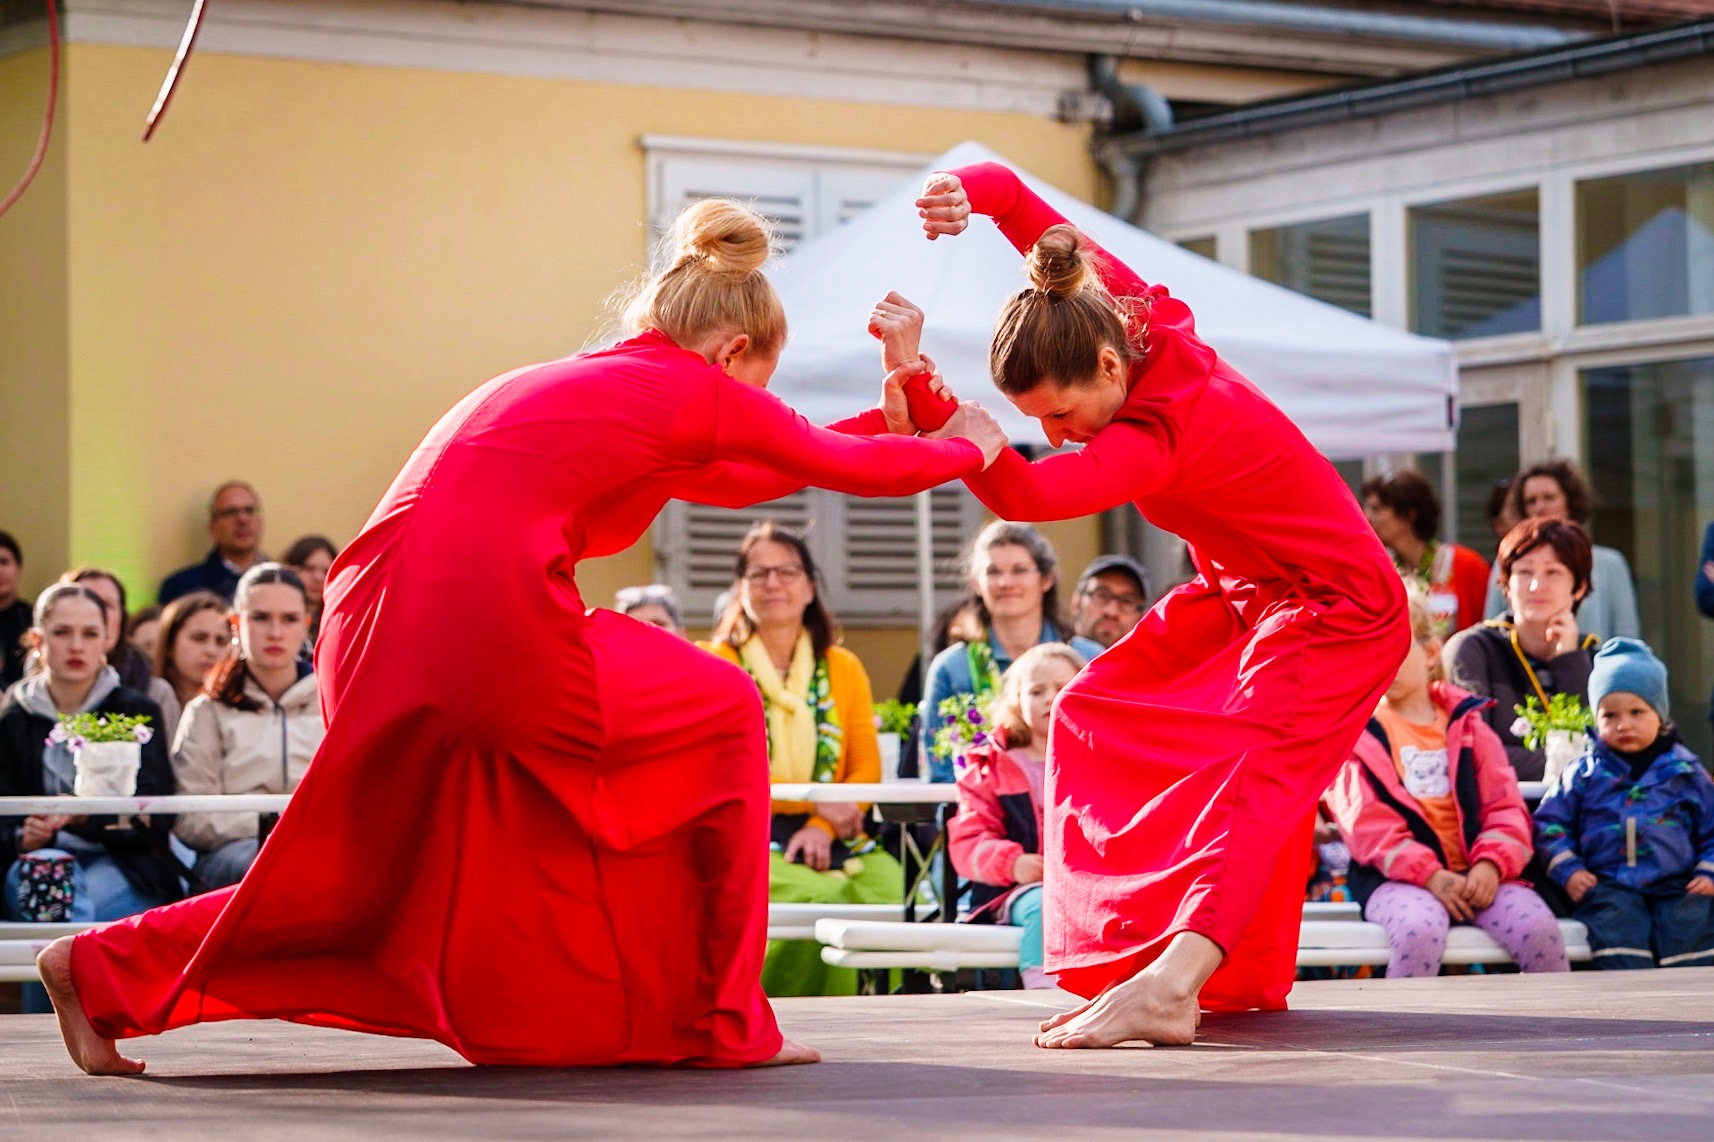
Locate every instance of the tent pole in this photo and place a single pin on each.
(925, 579)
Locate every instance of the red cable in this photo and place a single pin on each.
(48, 116)
(171, 83)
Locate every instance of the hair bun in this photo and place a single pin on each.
(1057, 263)
(723, 235)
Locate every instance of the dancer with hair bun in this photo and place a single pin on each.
(549, 849)
(1184, 764)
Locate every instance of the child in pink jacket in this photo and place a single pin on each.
(995, 839)
(1429, 806)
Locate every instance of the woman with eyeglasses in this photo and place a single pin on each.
(820, 716)
(395, 896)
(1537, 648)
(1014, 573)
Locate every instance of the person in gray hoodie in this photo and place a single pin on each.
(254, 727)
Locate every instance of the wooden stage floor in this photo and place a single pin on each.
(1582, 1056)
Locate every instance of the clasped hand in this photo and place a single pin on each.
(1464, 895)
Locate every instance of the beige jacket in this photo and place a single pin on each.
(220, 749)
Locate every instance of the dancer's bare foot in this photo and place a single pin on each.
(1141, 1008)
(97, 1056)
(791, 1054)
(1157, 1006)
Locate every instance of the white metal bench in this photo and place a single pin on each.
(865, 944)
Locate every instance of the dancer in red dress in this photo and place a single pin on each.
(545, 844)
(1185, 762)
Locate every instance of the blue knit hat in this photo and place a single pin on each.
(1627, 665)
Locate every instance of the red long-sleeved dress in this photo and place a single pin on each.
(1185, 763)
(535, 833)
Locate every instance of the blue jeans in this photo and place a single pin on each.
(226, 865)
(1025, 912)
(99, 892)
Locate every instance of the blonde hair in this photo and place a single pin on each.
(1008, 712)
(712, 279)
(1422, 628)
(1058, 327)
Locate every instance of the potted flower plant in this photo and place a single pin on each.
(1556, 729)
(107, 750)
(964, 726)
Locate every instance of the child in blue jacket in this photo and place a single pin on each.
(1628, 829)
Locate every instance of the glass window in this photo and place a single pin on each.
(1645, 245)
(1328, 260)
(1487, 455)
(1654, 493)
(1208, 247)
(1475, 268)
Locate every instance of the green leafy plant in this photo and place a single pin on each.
(79, 730)
(895, 717)
(1562, 712)
(964, 726)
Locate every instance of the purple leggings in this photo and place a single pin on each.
(1417, 925)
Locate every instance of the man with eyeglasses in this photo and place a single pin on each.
(235, 526)
(1112, 594)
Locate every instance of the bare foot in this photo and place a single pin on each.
(1141, 1008)
(791, 1054)
(97, 1056)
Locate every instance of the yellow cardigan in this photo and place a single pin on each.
(860, 758)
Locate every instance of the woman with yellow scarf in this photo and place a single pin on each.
(821, 728)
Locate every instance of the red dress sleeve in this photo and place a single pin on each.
(755, 427)
(738, 484)
(1126, 461)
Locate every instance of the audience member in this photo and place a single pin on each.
(1705, 586)
(821, 729)
(195, 635)
(117, 866)
(1014, 574)
(235, 526)
(131, 663)
(1555, 489)
(1536, 648)
(254, 727)
(15, 617)
(1501, 517)
(311, 556)
(654, 604)
(1438, 832)
(143, 630)
(1628, 829)
(1404, 510)
(1112, 595)
(996, 839)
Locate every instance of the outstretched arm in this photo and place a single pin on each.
(1127, 460)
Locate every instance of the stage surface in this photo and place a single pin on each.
(1584, 1056)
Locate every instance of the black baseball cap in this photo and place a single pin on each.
(1122, 563)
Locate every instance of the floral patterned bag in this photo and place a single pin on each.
(45, 888)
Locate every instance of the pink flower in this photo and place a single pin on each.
(144, 733)
(57, 734)
(76, 744)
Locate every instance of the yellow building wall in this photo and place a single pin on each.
(35, 468)
(312, 261)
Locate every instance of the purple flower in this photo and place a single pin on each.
(980, 738)
(57, 734)
(144, 733)
(76, 744)
(975, 717)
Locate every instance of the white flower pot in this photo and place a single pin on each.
(108, 769)
(1561, 749)
(890, 744)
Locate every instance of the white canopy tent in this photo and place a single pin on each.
(1355, 387)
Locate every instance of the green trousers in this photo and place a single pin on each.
(794, 967)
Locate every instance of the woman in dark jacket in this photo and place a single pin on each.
(1536, 649)
(123, 864)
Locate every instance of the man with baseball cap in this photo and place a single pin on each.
(1112, 594)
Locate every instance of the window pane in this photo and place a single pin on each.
(1208, 247)
(1328, 260)
(1476, 266)
(1487, 454)
(1654, 492)
(1645, 245)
